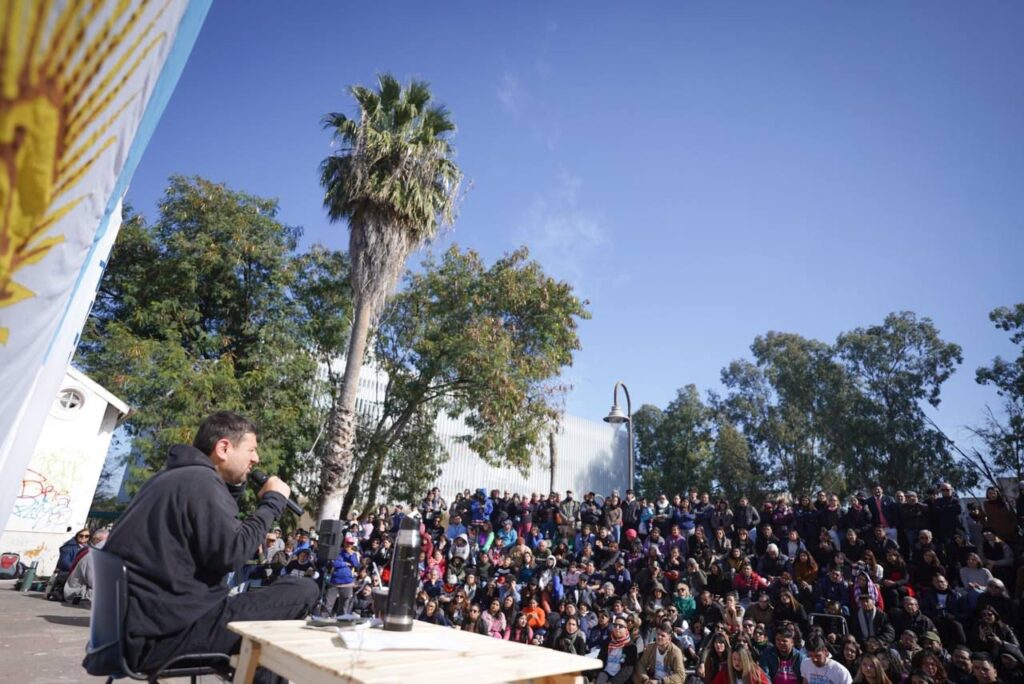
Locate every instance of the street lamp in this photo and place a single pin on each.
(617, 417)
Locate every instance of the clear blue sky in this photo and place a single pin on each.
(703, 172)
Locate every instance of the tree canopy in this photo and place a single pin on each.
(484, 344)
(211, 307)
(1001, 432)
(804, 414)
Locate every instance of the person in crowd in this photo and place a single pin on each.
(68, 554)
(618, 655)
(983, 668)
(996, 555)
(662, 661)
(432, 614)
(571, 640)
(1000, 515)
(959, 670)
(819, 667)
(494, 623)
(910, 617)
(929, 663)
(871, 671)
(944, 514)
(80, 575)
(715, 658)
(301, 565)
(869, 621)
(520, 631)
(341, 590)
(990, 632)
(780, 660)
(742, 669)
(70, 549)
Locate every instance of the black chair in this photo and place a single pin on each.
(105, 651)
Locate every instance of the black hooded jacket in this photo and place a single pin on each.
(179, 537)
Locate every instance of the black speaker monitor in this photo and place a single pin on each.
(331, 534)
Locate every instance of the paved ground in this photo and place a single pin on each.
(43, 642)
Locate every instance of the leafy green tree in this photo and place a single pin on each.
(734, 472)
(394, 182)
(483, 344)
(1002, 436)
(674, 446)
(810, 389)
(897, 367)
(788, 404)
(746, 406)
(196, 312)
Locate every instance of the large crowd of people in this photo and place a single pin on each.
(882, 588)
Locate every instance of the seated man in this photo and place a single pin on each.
(661, 661)
(79, 584)
(181, 535)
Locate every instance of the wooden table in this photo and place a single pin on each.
(309, 656)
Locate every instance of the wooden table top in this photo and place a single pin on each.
(313, 656)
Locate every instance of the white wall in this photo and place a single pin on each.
(591, 457)
(57, 488)
(591, 454)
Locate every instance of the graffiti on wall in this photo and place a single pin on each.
(44, 501)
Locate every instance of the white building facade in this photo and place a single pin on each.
(591, 455)
(57, 489)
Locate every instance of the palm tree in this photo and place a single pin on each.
(395, 182)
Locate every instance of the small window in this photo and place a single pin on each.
(71, 399)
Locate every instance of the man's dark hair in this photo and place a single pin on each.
(222, 425)
(816, 643)
(786, 633)
(666, 627)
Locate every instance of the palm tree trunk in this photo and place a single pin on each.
(336, 471)
(353, 487)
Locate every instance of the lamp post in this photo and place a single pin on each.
(617, 417)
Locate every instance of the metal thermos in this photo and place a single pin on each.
(401, 610)
(29, 578)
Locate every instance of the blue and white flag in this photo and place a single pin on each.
(82, 86)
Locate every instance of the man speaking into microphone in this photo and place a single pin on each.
(181, 535)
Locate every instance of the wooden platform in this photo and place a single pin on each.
(318, 657)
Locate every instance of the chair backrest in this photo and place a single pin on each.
(105, 651)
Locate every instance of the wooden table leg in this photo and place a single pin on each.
(248, 661)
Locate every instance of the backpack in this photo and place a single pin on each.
(11, 566)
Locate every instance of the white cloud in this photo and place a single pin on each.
(509, 92)
(561, 234)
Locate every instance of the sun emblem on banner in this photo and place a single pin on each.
(63, 67)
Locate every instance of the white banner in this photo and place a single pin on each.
(81, 88)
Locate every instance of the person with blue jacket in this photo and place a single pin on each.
(343, 577)
(507, 533)
(71, 548)
(481, 507)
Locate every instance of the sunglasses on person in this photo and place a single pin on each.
(620, 625)
(82, 536)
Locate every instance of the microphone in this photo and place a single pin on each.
(259, 478)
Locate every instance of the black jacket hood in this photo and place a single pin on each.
(181, 455)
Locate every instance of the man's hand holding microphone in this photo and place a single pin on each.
(273, 484)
